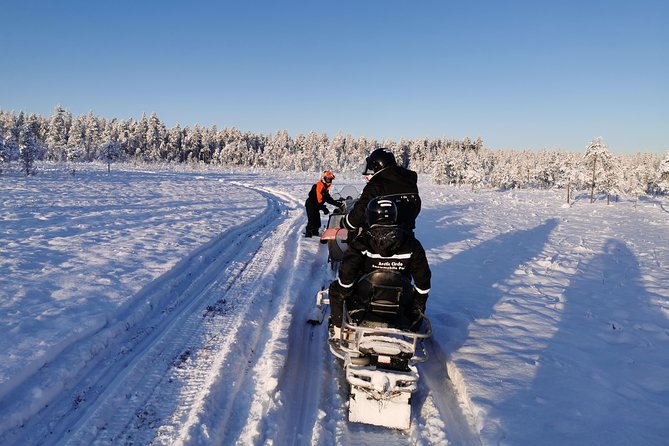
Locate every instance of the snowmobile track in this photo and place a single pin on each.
(136, 358)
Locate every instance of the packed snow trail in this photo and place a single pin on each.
(218, 351)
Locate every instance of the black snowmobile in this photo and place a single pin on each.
(379, 349)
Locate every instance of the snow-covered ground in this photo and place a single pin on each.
(169, 307)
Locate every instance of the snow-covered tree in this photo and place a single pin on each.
(9, 148)
(93, 135)
(138, 138)
(209, 144)
(192, 143)
(330, 158)
(474, 175)
(57, 134)
(439, 169)
(76, 146)
(4, 153)
(638, 174)
(174, 144)
(612, 177)
(110, 152)
(597, 160)
(155, 139)
(663, 175)
(28, 147)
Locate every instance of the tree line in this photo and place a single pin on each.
(63, 137)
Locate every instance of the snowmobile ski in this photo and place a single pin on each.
(317, 314)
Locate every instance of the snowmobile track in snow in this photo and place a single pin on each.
(179, 322)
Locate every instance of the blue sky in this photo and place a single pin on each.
(519, 74)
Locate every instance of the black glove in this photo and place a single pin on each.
(337, 288)
(326, 211)
(419, 302)
(417, 310)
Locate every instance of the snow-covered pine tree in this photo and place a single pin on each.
(110, 151)
(17, 129)
(569, 173)
(637, 174)
(209, 143)
(57, 134)
(596, 159)
(612, 177)
(192, 143)
(9, 148)
(174, 141)
(663, 175)
(76, 143)
(277, 153)
(474, 174)
(333, 153)
(28, 147)
(439, 167)
(4, 154)
(138, 139)
(155, 137)
(110, 147)
(92, 140)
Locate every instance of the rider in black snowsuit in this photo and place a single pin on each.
(384, 246)
(391, 181)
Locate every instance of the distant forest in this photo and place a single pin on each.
(65, 138)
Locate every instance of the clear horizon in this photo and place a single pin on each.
(520, 75)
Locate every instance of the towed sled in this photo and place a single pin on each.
(378, 349)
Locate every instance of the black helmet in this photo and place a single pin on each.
(381, 211)
(379, 159)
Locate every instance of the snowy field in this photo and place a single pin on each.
(169, 307)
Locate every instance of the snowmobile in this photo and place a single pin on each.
(334, 235)
(379, 350)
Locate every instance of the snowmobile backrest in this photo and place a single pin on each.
(385, 300)
(383, 295)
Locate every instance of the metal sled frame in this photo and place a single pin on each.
(378, 395)
(357, 338)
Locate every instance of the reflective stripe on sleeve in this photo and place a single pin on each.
(421, 291)
(344, 285)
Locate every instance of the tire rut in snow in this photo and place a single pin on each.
(293, 418)
(237, 400)
(131, 384)
(456, 420)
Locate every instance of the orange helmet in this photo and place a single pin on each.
(328, 176)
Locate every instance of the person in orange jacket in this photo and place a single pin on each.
(318, 196)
